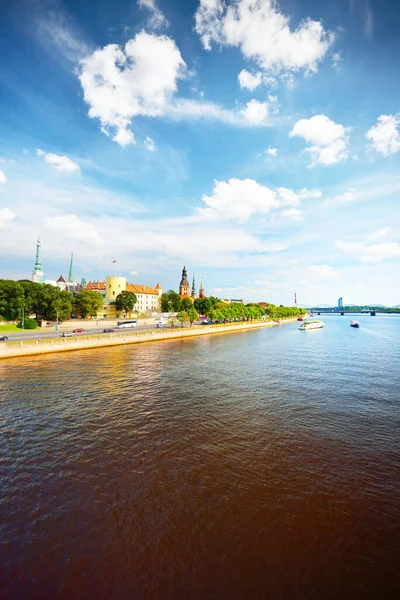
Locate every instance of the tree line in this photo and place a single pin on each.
(44, 301)
(216, 310)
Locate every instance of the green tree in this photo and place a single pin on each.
(182, 317)
(88, 303)
(170, 302)
(186, 304)
(203, 305)
(193, 315)
(28, 323)
(126, 301)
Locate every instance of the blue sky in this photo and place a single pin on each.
(257, 142)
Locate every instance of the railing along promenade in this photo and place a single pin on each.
(45, 346)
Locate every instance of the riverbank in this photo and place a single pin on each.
(50, 346)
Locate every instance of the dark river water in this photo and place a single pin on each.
(263, 464)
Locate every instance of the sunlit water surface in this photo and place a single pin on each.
(263, 464)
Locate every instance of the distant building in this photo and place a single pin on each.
(340, 303)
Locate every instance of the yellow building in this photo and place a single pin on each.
(148, 299)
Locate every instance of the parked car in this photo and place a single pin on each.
(3, 338)
(108, 330)
(79, 330)
(66, 334)
(160, 324)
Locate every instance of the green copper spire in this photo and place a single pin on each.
(194, 286)
(71, 269)
(38, 275)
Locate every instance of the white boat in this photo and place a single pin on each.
(315, 324)
(354, 324)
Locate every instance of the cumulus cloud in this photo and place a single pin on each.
(157, 18)
(329, 140)
(263, 34)
(61, 163)
(256, 112)
(6, 216)
(240, 199)
(385, 135)
(149, 144)
(372, 253)
(74, 229)
(271, 151)
(322, 271)
(139, 79)
(380, 233)
(3, 177)
(293, 213)
(248, 81)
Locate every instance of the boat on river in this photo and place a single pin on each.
(354, 324)
(315, 324)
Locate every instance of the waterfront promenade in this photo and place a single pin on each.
(90, 342)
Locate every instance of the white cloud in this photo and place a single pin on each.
(372, 253)
(139, 79)
(3, 177)
(263, 34)
(304, 194)
(271, 151)
(134, 272)
(240, 199)
(348, 196)
(191, 110)
(385, 135)
(61, 163)
(329, 140)
(322, 272)
(248, 81)
(256, 112)
(293, 213)
(337, 61)
(73, 228)
(380, 233)
(6, 216)
(149, 144)
(157, 18)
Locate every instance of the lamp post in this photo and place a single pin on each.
(23, 318)
(57, 323)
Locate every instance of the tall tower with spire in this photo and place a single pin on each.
(71, 270)
(38, 274)
(295, 298)
(184, 287)
(201, 290)
(194, 294)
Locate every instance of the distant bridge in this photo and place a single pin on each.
(344, 311)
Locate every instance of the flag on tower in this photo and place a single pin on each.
(114, 261)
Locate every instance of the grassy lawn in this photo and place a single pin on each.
(10, 328)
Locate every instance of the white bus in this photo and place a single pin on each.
(125, 324)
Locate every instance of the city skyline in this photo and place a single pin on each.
(266, 168)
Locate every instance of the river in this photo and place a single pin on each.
(261, 464)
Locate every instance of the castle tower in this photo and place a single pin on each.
(158, 289)
(201, 290)
(114, 286)
(38, 274)
(194, 294)
(71, 270)
(184, 287)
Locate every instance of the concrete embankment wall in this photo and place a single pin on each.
(32, 348)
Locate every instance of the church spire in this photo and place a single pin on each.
(194, 295)
(71, 269)
(201, 290)
(38, 275)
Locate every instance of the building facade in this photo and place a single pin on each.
(148, 299)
